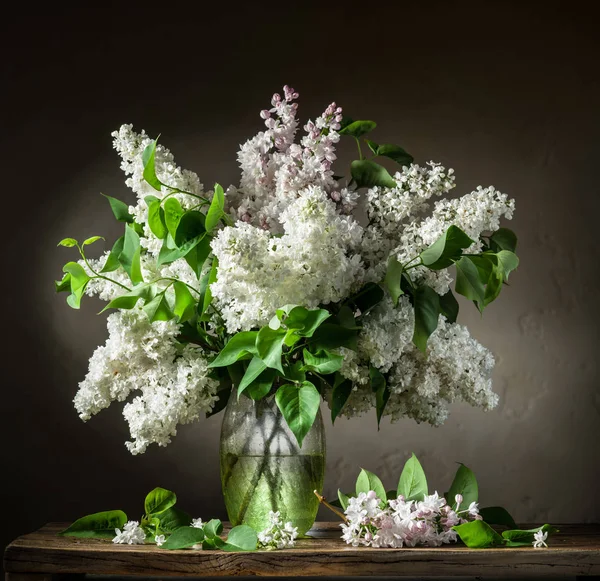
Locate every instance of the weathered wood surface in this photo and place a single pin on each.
(575, 551)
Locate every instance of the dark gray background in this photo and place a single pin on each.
(507, 93)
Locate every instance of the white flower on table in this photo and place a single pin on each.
(132, 534)
(277, 535)
(159, 540)
(540, 540)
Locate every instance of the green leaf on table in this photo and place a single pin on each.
(130, 255)
(156, 217)
(112, 261)
(185, 304)
(173, 213)
(507, 262)
(478, 535)
(426, 304)
(269, 346)
(262, 385)
(344, 499)
(446, 249)
(394, 152)
(468, 282)
(68, 242)
(299, 406)
(173, 518)
(158, 309)
(357, 128)
(449, 306)
(98, 525)
(367, 174)
(367, 298)
(367, 481)
(496, 515)
(322, 361)
(413, 483)
(183, 538)
(213, 528)
(216, 209)
(526, 536)
(91, 240)
(503, 239)
(159, 500)
(190, 229)
(342, 388)
(464, 483)
(241, 538)
(332, 336)
(119, 209)
(149, 161)
(254, 370)
(240, 344)
(393, 278)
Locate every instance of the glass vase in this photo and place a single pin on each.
(263, 469)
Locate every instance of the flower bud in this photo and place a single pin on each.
(458, 499)
(371, 494)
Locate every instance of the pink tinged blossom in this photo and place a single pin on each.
(265, 113)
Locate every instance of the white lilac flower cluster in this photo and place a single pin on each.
(132, 534)
(277, 535)
(402, 523)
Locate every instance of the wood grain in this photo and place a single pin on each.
(575, 551)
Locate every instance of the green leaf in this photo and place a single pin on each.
(198, 255)
(130, 299)
(190, 229)
(344, 499)
(393, 278)
(130, 255)
(91, 240)
(526, 536)
(367, 298)
(468, 282)
(382, 392)
(342, 388)
(78, 279)
(216, 209)
(446, 249)
(306, 321)
(368, 481)
(173, 213)
(183, 538)
(426, 303)
(449, 306)
(372, 146)
(464, 483)
(185, 305)
(478, 535)
(358, 128)
(413, 483)
(173, 518)
(262, 385)
(213, 528)
(112, 262)
(240, 344)
(345, 317)
(156, 218)
(503, 239)
(322, 361)
(299, 406)
(496, 515)
(269, 346)
(396, 153)
(493, 286)
(241, 538)
(64, 284)
(159, 500)
(149, 161)
(68, 242)
(212, 277)
(332, 336)
(367, 174)
(98, 525)
(119, 209)
(255, 368)
(158, 309)
(507, 262)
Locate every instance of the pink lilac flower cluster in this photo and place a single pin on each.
(404, 523)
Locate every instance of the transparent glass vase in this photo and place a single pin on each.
(263, 469)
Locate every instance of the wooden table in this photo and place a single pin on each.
(575, 551)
